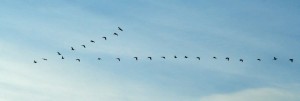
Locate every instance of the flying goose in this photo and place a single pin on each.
(150, 58)
(120, 29)
(241, 60)
(274, 58)
(198, 58)
(92, 41)
(34, 61)
(116, 34)
(83, 46)
(227, 58)
(163, 57)
(136, 58)
(292, 60)
(78, 60)
(118, 59)
(104, 38)
(58, 53)
(72, 49)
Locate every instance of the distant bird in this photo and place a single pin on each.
(62, 57)
(292, 60)
(45, 59)
(78, 60)
(198, 58)
(58, 53)
(116, 34)
(118, 59)
(136, 58)
(185, 57)
(227, 58)
(92, 41)
(215, 57)
(274, 58)
(99, 58)
(241, 60)
(104, 38)
(72, 49)
(34, 61)
(83, 46)
(258, 59)
(120, 29)
(163, 57)
(175, 56)
(150, 58)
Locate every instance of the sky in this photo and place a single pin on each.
(240, 29)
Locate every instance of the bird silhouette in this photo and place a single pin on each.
(175, 56)
(241, 60)
(198, 58)
(92, 41)
(83, 46)
(34, 61)
(274, 58)
(116, 34)
(44, 59)
(104, 38)
(120, 29)
(58, 53)
(62, 57)
(185, 57)
(215, 57)
(292, 60)
(99, 58)
(258, 59)
(118, 59)
(163, 57)
(136, 58)
(78, 60)
(150, 58)
(72, 49)
(227, 58)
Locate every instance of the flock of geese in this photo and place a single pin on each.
(150, 58)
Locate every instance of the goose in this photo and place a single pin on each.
(116, 34)
(227, 58)
(198, 58)
(118, 59)
(120, 29)
(78, 60)
(150, 58)
(136, 58)
(92, 41)
(241, 60)
(83, 46)
(104, 38)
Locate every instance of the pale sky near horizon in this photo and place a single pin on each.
(239, 29)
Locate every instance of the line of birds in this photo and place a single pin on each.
(136, 58)
(163, 57)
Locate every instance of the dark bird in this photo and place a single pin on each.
(83, 46)
(45, 59)
(78, 60)
(104, 38)
(258, 59)
(241, 60)
(227, 58)
(198, 58)
(274, 58)
(163, 57)
(116, 34)
(99, 58)
(150, 58)
(72, 49)
(62, 57)
(292, 60)
(215, 57)
(118, 59)
(58, 53)
(175, 56)
(120, 29)
(185, 57)
(136, 58)
(34, 61)
(92, 41)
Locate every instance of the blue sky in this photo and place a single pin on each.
(248, 29)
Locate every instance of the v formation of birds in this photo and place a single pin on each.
(150, 58)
